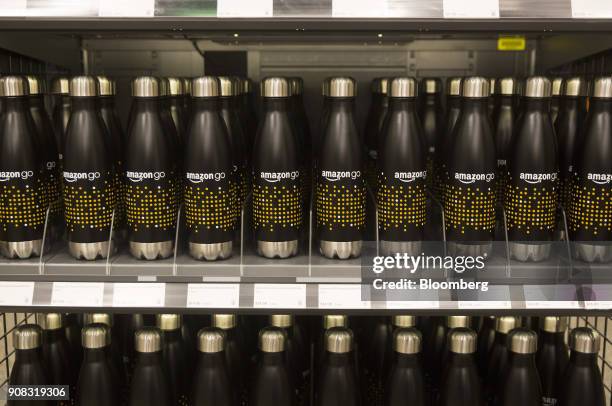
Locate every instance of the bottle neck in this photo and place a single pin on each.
(475, 105)
(338, 359)
(521, 360)
(227, 103)
(537, 104)
(148, 103)
(341, 105)
(402, 104)
(107, 102)
(37, 100)
(580, 359)
(506, 101)
(212, 359)
(52, 336)
(27, 355)
(15, 103)
(276, 103)
(148, 358)
(406, 360)
(205, 104)
(95, 354)
(454, 102)
(272, 358)
(553, 338)
(600, 105)
(84, 103)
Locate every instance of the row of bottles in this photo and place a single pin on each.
(432, 361)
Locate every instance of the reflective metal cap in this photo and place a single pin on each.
(381, 85)
(228, 86)
(538, 87)
(575, 87)
(297, 86)
(507, 87)
(404, 321)
(339, 340)
(83, 86)
(557, 86)
(35, 85)
(224, 321)
(147, 339)
(453, 86)
(272, 339)
(211, 340)
(552, 324)
(585, 340)
(522, 341)
(275, 87)
(407, 341)
(325, 87)
(50, 321)
(493, 85)
(187, 85)
(100, 318)
(603, 87)
(431, 85)
(247, 86)
(475, 87)
(462, 341)
(404, 87)
(13, 86)
(60, 86)
(146, 86)
(27, 337)
(106, 86)
(168, 322)
(342, 87)
(175, 87)
(506, 324)
(95, 336)
(205, 86)
(334, 320)
(281, 320)
(457, 321)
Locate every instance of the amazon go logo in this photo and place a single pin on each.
(140, 176)
(74, 176)
(535, 178)
(8, 175)
(468, 178)
(201, 177)
(274, 177)
(600, 178)
(334, 176)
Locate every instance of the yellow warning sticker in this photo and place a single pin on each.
(511, 43)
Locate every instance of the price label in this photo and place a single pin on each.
(484, 304)
(471, 8)
(77, 294)
(245, 8)
(545, 304)
(127, 8)
(16, 293)
(598, 305)
(341, 297)
(213, 295)
(413, 304)
(359, 8)
(13, 8)
(591, 9)
(139, 294)
(279, 296)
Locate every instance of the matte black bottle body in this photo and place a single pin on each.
(96, 385)
(177, 112)
(149, 384)
(440, 174)
(272, 384)
(583, 383)
(498, 361)
(58, 361)
(60, 117)
(238, 143)
(176, 365)
(211, 384)
(486, 339)
(249, 118)
(373, 135)
(552, 360)
(504, 118)
(73, 335)
(460, 383)
(28, 369)
(338, 382)
(521, 382)
(406, 384)
(432, 119)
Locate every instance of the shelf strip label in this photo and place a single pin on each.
(471, 8)
(279, 296)
(16, 293)
(591, 9)
(127, 8)
(245, 9)
(77, 294)
(347, 296)
(213, 295)
(139, 294)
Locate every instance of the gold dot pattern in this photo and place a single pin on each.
(152, 205)
(88, 206)
(500, 185)
(210, 206)
(565, 191)
(243, 182)
(401, 207)
(341, 206)
(23, 206)
(530, 208)
(469, 208)
(590, 210)
(55, 197)
(439, 180)
(277, 207)
(120, 208)
(371, 173)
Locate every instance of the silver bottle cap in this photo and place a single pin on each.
(453, 86)
(603, 87)
(297, 86)
(175, 87)
(342, 87)
(106, 86)
(281, 320)
(585, 340)
(147, 339)
(381, 85)
(404, 87)
(334, 320)
(520, 87)
(493, 86)
(506, 324)
(83, 86)
(211, 340)
(168, 322)
(407, 341)
(187, 85)
(228, 86)
(553, 324)
(462, 341)
(272, 339)
(538, 87)
(146, 86)
(275, 87)
(224, 321)
(98, 318)
(50, 321)
(95, 336)
(339, 340)
(36, 85)
(522, 341)
(325, 87)
(475, 87)
(507, 87)
(404, 321)
(458, 321)
(163, 87)
(575, 87)
(431, 85)
(27, 337)
(557, 86)
(205, 86)
(60, 86)
(247, 86)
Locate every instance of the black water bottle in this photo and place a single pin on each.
(187, 96)
(247, 109)
(452, 323)
(294, 345)
(72, 331)
(127, 325)
(96, 386)
(60, 88)
(504, 119)
(337, 384)
(568, 127)
(322, 122)
(498, 356)
(209, 189)
(590, 214)
(175, 357)
(431, 113)
(44, 130)
(150, 176)
(530, 199)
(556, 101)
(469, 199)
(90, 189)
(379, 105)
(329, 321)
(521, 383)
(460, 383)
(277, 184)
(28, 368)
(301, 128)
(583, 383)
(494, 96)
(56, 355)
(402, 173)
(149, 384)
(163, 102)
(234, 348)
(340, 191)
(552, 358)
(212, 385)
(23, 180)
(176, 105)
(486, 338)
(376, 352)
(272, 383)
(406, 384)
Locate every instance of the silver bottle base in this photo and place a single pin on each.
(593, 253)
(277, 249)
(412, 248)
(456, 249)
(211, 252)
(151, 250)
(340, 249)
(90, 251)
(529, 252)
(20, 249)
